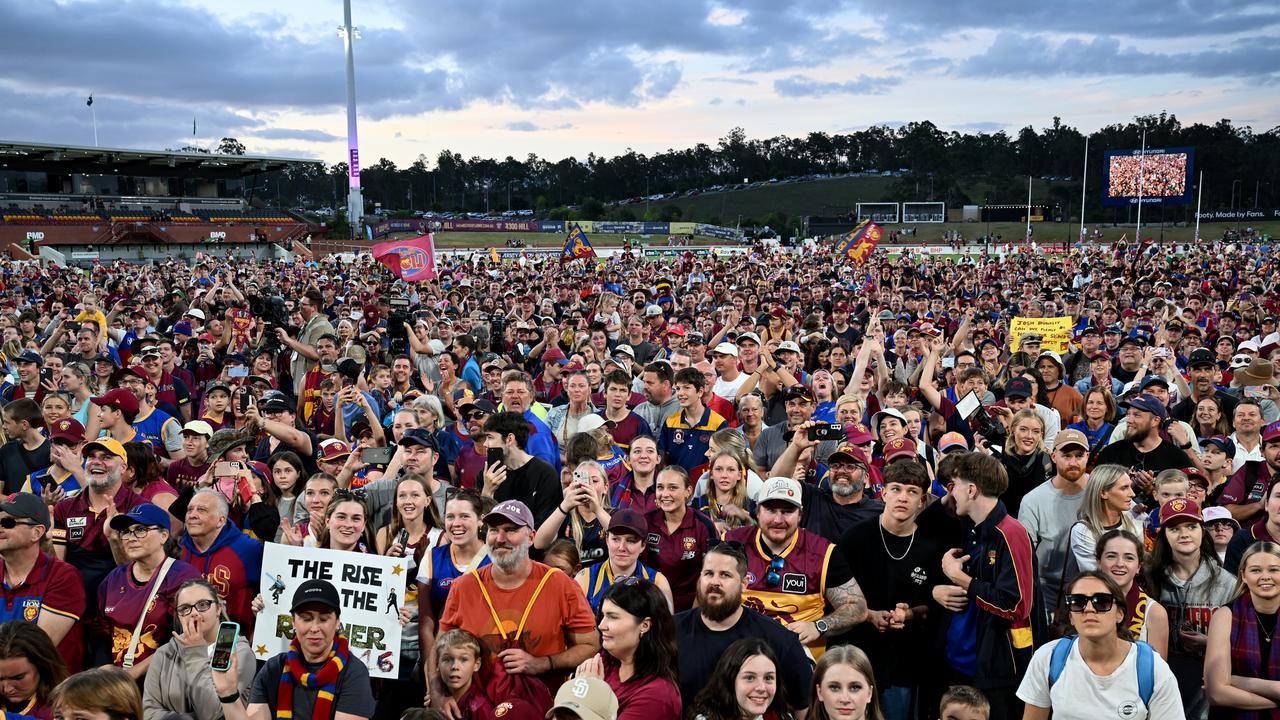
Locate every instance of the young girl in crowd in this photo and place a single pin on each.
(1120, 555)
(744, 686)
(844, 686)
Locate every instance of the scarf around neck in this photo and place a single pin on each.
(325, 680)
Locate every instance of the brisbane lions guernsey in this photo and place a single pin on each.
(796, 590)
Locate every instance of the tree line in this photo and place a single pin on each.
(1239, 166)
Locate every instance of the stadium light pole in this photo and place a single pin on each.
(1084, 183)
(1142, 159)
(355, 200)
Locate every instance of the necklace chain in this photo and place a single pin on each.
(1262, 629)
(885, 543)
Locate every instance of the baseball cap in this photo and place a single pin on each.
(1271, 432)
(120, 399)
(277, 403)
(858, 434)
(630, 520)
(1018, 387)
(1196, 476)
(142, 514)
(67, 430)
(788, 346)
(797, 392)
(30, 356)
(198, 427)
(887, 413)
(510, 510)
(652, 310)
(556, 355)
(851, 453)
(780, 488)
(588, 423)
(625, 350)
(1147, 403)
(109, 444)
(316, 592)
(421, 437)
(676, 330)
(333, 449)
(725, 348)
(748, 336)
(1179, 510)
(1100, 355)
(196, 313)
(216, 385)
(1051, 355)
(1069, 437)
(899, 449)
(480, 404)
(25, 505)
(1034, 338)
(1222, 442)
(1150, 380)
(1211, 514)
(590, 698)
(955, 439)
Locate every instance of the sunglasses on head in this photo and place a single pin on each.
(1102, 602)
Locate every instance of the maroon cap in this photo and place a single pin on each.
(858, 434)
(899, 449)
(67, 430)
(554, 354)
(1180, 510)
(1271, 432)
(120, 399)
(630, 521)
(852, 453)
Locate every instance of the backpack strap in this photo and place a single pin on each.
(1146, 672)
(493, 612)
(1058, 660)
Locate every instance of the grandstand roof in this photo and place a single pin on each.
(29, 157)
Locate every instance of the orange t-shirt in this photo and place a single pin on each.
(560, 610)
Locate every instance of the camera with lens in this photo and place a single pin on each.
(397, 318)
(991, 429)
(271, 311)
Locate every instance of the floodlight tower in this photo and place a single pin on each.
(355, 200)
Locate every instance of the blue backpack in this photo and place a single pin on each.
(1146, 666)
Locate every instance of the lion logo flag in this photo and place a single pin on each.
(859, 242)
(412, 260)
(576, 245)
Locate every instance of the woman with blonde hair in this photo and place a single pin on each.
(844, 686)
(1239, 670)
(725, 499)
(583, 514)
(1024, 458)
(101, 692)
(1107, 496)
(731, 440)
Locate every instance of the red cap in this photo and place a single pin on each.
(67, 430)
(1180, 510)
(676, 330)
(120, 399)
(899, 449)
(332, 449)
(1271, 432)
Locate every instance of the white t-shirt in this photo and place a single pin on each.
(728, 389)
(1079, 694)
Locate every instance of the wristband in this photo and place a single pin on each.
(234, 697)
(562, 510)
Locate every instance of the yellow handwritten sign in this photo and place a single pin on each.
(1055, 331)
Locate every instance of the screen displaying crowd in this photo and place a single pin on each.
(1155, 176)
(727, 486)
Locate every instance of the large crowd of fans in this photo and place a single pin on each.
(747, 485)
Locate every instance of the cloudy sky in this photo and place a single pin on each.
(557, 78)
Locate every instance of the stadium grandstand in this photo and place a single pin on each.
(89, 203)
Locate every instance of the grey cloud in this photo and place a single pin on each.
(1013, 54)
(802, 86)
(295, 134)
(729, 80)
(146, 49)
(522, 126)
(1137, 18)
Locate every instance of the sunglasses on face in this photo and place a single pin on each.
(1101, 602)
(476, 414)
(9, 523)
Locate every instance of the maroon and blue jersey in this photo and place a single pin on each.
(54, 587)
(232, 564)
(678, 553)
(440, 570)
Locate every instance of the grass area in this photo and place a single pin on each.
(814, 197)
(499, 240)
(1044, 233)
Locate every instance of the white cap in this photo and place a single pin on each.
(591, 422)
(725, 348)
(1251, 345)
(652, 310)
(749, 336)
(788, 345)
(1216, 512)
(780, 488)
(625, 350)
(196, 313)
(1051, 355)
(887, 412)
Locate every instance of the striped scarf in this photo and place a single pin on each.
(325, 679)
(1246, 652)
